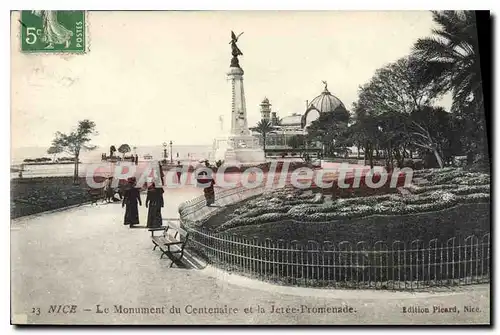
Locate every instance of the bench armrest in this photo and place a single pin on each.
(174, 243)
(157, 228)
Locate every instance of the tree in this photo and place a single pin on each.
(398, 87)
(364, 131)
(435, 130)
(451, 59)
(356, 136)
(76, 141)
(124, 149)
(296, 141)
(264, 127)
(386, 101)
(112, 150)
(54, 150)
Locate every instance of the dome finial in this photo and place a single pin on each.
(326, 85)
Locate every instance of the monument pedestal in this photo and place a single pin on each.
(246, 156)
(239, 150)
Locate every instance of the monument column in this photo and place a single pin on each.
(239, 123)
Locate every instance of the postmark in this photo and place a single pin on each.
(53, 31)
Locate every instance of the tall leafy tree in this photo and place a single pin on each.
(386, 101)
(76, 141)
(399, 87)
(124, 149)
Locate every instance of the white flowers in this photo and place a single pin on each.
(447, 188)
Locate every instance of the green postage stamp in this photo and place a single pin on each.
(53, 31)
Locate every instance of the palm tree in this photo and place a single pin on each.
(451, 57)
(264, 127)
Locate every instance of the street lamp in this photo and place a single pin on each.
(171, 159)
(165, 151)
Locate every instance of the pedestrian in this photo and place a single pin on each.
(162, 174)
(131, 197)
(136, 159)
(108, 189)
(154, 204)
(207, 182)
(210, 192)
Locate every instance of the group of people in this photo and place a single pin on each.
(132, 158)
(110, 191)
(131, 198)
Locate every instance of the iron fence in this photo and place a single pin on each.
(395, 265)
(195, 210)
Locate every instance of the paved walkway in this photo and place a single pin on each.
(85, 256)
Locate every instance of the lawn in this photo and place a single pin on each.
(35, 195)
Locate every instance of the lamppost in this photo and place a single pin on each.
(165, 151)
(171, 159)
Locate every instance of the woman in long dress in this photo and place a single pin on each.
(108, 190)
(131, 198)
(207, 182)
(210, 192)
(154, 204)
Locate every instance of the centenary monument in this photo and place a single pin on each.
(239, 145)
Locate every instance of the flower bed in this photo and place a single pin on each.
(388, 241)
(446, 188)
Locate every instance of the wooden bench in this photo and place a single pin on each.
(171, 243)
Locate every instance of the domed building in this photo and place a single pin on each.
(287, 134)
(323, 103)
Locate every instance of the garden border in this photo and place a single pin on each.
(353, 265)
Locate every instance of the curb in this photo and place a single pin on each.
(343, 294)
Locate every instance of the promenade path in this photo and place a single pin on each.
(86, 257)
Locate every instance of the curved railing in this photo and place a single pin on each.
(195, 210)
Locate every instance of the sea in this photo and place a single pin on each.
(189, 154)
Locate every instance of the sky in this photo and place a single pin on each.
(151, 77)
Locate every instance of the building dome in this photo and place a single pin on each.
(292, 120)
(325, 102)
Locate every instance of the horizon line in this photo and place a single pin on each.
(98, 145)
